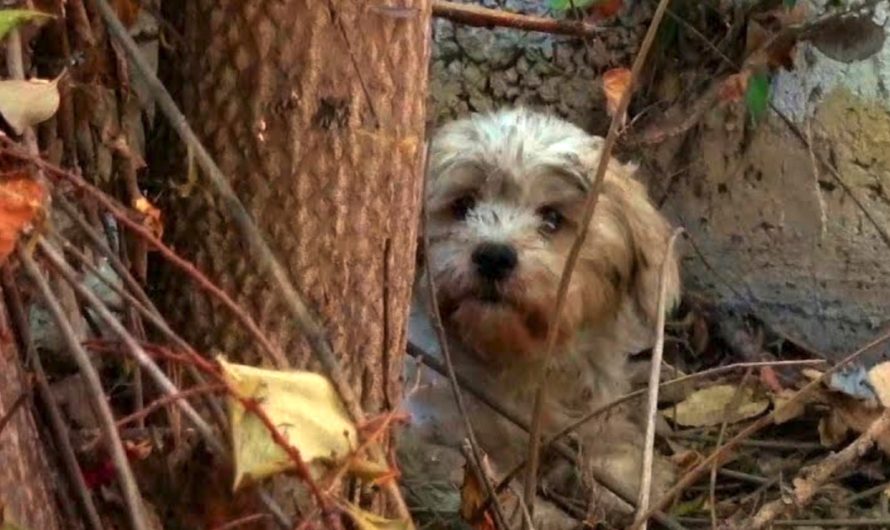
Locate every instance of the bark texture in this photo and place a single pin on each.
(316, 112)
(26, 481)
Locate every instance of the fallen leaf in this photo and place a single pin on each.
(27, 103)
(13, 18)
(615, 83)
(879, 377)
(21, 198)
(365, 520)
(852, 381)
(305, 408)
(785, 412)
(152, 215)
(849, 39)
(770, 380)
(686, 459)
(370, 471)
(127, 11)
(472, 499)
(833, 430)
(733, 88)
(709, 406)
(138, 449)
(605, 9)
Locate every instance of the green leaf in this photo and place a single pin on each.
(757, 96)
(13, 18)
(789, 3)
(565, 5)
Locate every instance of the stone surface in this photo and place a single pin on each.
(782, 239)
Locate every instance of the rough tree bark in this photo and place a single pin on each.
(316, 112)
(26, 481)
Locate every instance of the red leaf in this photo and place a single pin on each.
(20, 199)
(605, 9)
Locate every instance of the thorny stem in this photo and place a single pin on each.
(693, 474)
(162, 402)
(57, 425)
(654, 376)
(589, 208)
(113, 442)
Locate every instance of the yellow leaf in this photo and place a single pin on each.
(365, 520)
(152, 216)
(368, 470)
(709, 406)
(305, 408)
(879, 377)
(27, 103)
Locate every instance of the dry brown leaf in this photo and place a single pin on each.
(615, 83)
(733, 88)
(127, 11)
(833, 430)
(472, 498)
(138, 449)
(152, 215)
(21, 198)
(27, 103)
(785, 412)
(708, 406)
(879, 377)
(687, 459)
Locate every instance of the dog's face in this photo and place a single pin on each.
(505, 199)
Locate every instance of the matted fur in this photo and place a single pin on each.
(513, 165)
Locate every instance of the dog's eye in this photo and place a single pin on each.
(551, 219)
(461, 206)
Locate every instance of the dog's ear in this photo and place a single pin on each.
(649, 233)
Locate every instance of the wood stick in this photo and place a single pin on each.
(478, 16)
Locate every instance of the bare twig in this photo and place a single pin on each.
(166, 400)
(132, 345)
(137, 299)
(113, 442)
(473, 15)
(241, 521)
(810, 480)
(16, 405)
(654, 377)
(693, 474)
(729, 411)
(589, 208)
(500, 520)
(57, 425)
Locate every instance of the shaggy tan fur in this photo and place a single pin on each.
(519, 179)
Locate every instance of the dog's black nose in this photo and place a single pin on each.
(495, 261)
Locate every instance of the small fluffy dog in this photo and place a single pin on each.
(505, 197)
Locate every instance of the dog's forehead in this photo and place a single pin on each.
(515, 153)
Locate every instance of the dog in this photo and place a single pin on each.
(504, 196)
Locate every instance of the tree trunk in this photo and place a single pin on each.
(316, 112)
(26, 481)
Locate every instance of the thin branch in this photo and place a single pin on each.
(163, 383)
(59, 429)
(113, 444)
(810, 480)
(137, 300)
(589, 208)
(473, 15)
(163, 401)
(654, 377)
(729, 411)
(693, 474)
(16, 405)
(500, 520)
